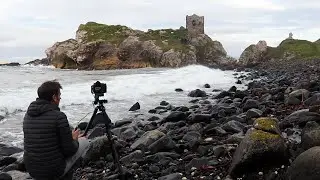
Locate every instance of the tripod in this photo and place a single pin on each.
(107, 123)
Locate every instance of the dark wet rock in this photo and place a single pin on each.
(238, 82)
(313, 100)
(214, 129)
(240, 94)
(175, 117)
(219, 150)
(174, 176)
(5, 176)
(196, 127)
(183, 109)
(306, 165)
(300, 117)
(6, 150)
(223, 94)
(122, 122)
(194, 101)
(301, 94)
(235, 138)
(259, 149)
(164, 103)
(135, 107)
(4, 161)
(162, 155)
(233, 126)
(197, 163)
(99, 147)
(178, 90)
(236, 118)
(147, 139)
(250, 103)
(160, 107)
(136, 156)
(197, 93)
(192, 138)
(11, 167)
(153, 118)
(152, 111)
(198, 118)
(253, 113)
(216, 90)
(206, 86)
(310, 135)
(165, 143)
(233, 89)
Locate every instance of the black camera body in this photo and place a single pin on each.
(99, 88)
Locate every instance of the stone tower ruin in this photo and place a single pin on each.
(195, 25)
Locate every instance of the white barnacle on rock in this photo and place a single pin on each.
(192, 174)
(276, 172)
(260, 173)
(184, 178)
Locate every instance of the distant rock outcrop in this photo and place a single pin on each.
(10, 64)
(100, 46)
(44, 62)
(254, 54)
(288, 49)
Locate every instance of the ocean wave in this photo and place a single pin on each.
(37, 66)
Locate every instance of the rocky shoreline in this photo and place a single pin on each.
(261, 133)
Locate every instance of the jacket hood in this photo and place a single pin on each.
(41, 106)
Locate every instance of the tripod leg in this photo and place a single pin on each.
(90, 122)
(112, 144)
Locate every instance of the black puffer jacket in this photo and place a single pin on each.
(47, 140)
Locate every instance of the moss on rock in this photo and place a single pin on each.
(259, 135)
(267, 124)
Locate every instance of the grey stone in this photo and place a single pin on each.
(147, 139)
(136, 156)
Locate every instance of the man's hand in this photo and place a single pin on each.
(75, 134)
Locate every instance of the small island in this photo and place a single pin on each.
(101, 46)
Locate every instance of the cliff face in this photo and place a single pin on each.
(289, 49)
(99, 46)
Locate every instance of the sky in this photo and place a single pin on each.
(29, 27)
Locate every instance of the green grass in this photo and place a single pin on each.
(111, 33)
(165, 38)
(168, 39)
(301, 49)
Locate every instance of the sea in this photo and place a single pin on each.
(125, 87)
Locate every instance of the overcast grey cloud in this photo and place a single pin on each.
(28, 27)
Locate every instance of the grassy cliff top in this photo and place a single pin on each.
(301, 49)
(115, 34)
(95, 31)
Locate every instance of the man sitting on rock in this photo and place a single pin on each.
(50, 147)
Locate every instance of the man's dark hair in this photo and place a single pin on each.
(48, 89)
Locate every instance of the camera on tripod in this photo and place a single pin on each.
(99, 88)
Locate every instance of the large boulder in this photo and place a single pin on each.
(300, 117)
(306, 166)
(262, 147)
(253, 54)
(6, 150)
(98, 148)
(310, 135)
(147, 139)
